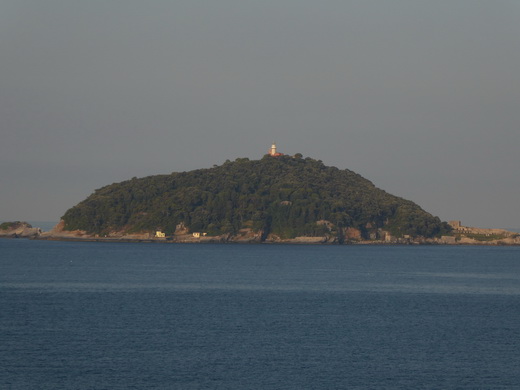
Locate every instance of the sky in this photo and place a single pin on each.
(420, 97)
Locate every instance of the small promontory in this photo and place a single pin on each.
(18, 229)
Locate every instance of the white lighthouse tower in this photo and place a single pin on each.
(272, 151)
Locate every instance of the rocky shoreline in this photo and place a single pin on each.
(25, 230)
(19, 230)
(295, 241)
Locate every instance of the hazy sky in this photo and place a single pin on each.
(420, 97)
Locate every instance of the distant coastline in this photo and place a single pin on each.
(462, 235)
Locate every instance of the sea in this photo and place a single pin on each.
(80, 315)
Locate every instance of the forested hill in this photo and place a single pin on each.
(285, 196)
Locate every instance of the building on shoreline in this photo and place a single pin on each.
(458, 228)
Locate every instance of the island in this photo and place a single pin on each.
(276, 199)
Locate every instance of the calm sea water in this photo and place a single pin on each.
(171, 316)
(44, 225)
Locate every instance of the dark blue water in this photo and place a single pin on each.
(169, 316)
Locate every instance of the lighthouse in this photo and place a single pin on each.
(272, 151)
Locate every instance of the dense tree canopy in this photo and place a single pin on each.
(287, 196)
(14, 225)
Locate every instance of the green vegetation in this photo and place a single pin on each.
(13, 225)
(285, 196)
